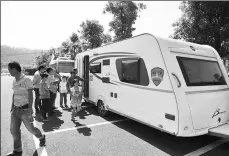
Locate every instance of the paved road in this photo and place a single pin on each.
(93, 135)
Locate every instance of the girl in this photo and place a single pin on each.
(44, 96)
(76, 97)
(63, 91)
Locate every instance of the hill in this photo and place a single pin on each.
(26, 57)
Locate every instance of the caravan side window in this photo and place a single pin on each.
(132, 70)
(95, 67)
(199, 72)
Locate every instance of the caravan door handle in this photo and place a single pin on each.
(177, 79)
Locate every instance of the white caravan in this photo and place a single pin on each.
(177, 87)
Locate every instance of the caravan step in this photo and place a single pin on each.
(220, 131)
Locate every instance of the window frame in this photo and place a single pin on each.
(196, 84)
(143, 76)
(96, 64)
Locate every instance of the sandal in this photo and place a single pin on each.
(42, 141)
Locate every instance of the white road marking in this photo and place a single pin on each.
(208, 147)
(92, 125)
(36, 141)
(59, 108)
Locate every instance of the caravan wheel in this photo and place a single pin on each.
(101, 108)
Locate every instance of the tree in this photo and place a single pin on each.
(74, 45)
(65, 46)
(106, 38)
(125, 14)
(74, 38)
(44, 58)
(204, 22)
(91, 34)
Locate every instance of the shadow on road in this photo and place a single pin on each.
(85, 130)
(53, 121)
(172, 145)
(35, 153)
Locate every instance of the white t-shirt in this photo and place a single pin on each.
(20, 89)
(63, 87)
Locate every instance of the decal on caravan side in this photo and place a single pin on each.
(173, 86)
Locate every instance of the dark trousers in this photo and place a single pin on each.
(37, 103)
(52, 100)
(45, 107)
(63, 96)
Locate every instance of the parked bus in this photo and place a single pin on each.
(62, 65)
(174, 86)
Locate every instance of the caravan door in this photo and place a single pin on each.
(204, 86)
(86, 76)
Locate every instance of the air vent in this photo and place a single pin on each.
(192, 48)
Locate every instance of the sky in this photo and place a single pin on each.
(46, 24)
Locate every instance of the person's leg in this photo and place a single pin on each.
(28, 122)
(51, 101)
(61, 99)
(65, 99)
(46, 107)
(42, 109)
(37, 100)
(49, 107)
(15, 125)
(50, 104)
(54, 100)
(73, 112)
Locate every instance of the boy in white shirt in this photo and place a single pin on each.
(63, 92)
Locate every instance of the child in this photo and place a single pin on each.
(44, 96)
(63, 91)
(76, 97)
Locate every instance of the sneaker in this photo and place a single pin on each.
(61, 106)
(42, 140)
(66, 106)
(15, 153)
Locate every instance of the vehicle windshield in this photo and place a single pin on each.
(65, 67)
(199, 72)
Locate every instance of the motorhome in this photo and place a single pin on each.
(174, 86)
(62, 65)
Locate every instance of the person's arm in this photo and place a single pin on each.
(81, 79)
(30, 98)
(68, 83)
(53, 81)
(29, 87)
(35, 79)
(12, 103)
(46, 87)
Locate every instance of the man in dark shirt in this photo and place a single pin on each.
(73, 76)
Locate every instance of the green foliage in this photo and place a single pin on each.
(65, 46)
(204, 22)
(74, 38)
(125, 14)
(92, 33)
(106, 38)
(44, 58)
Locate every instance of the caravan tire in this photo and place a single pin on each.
(101, 108)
